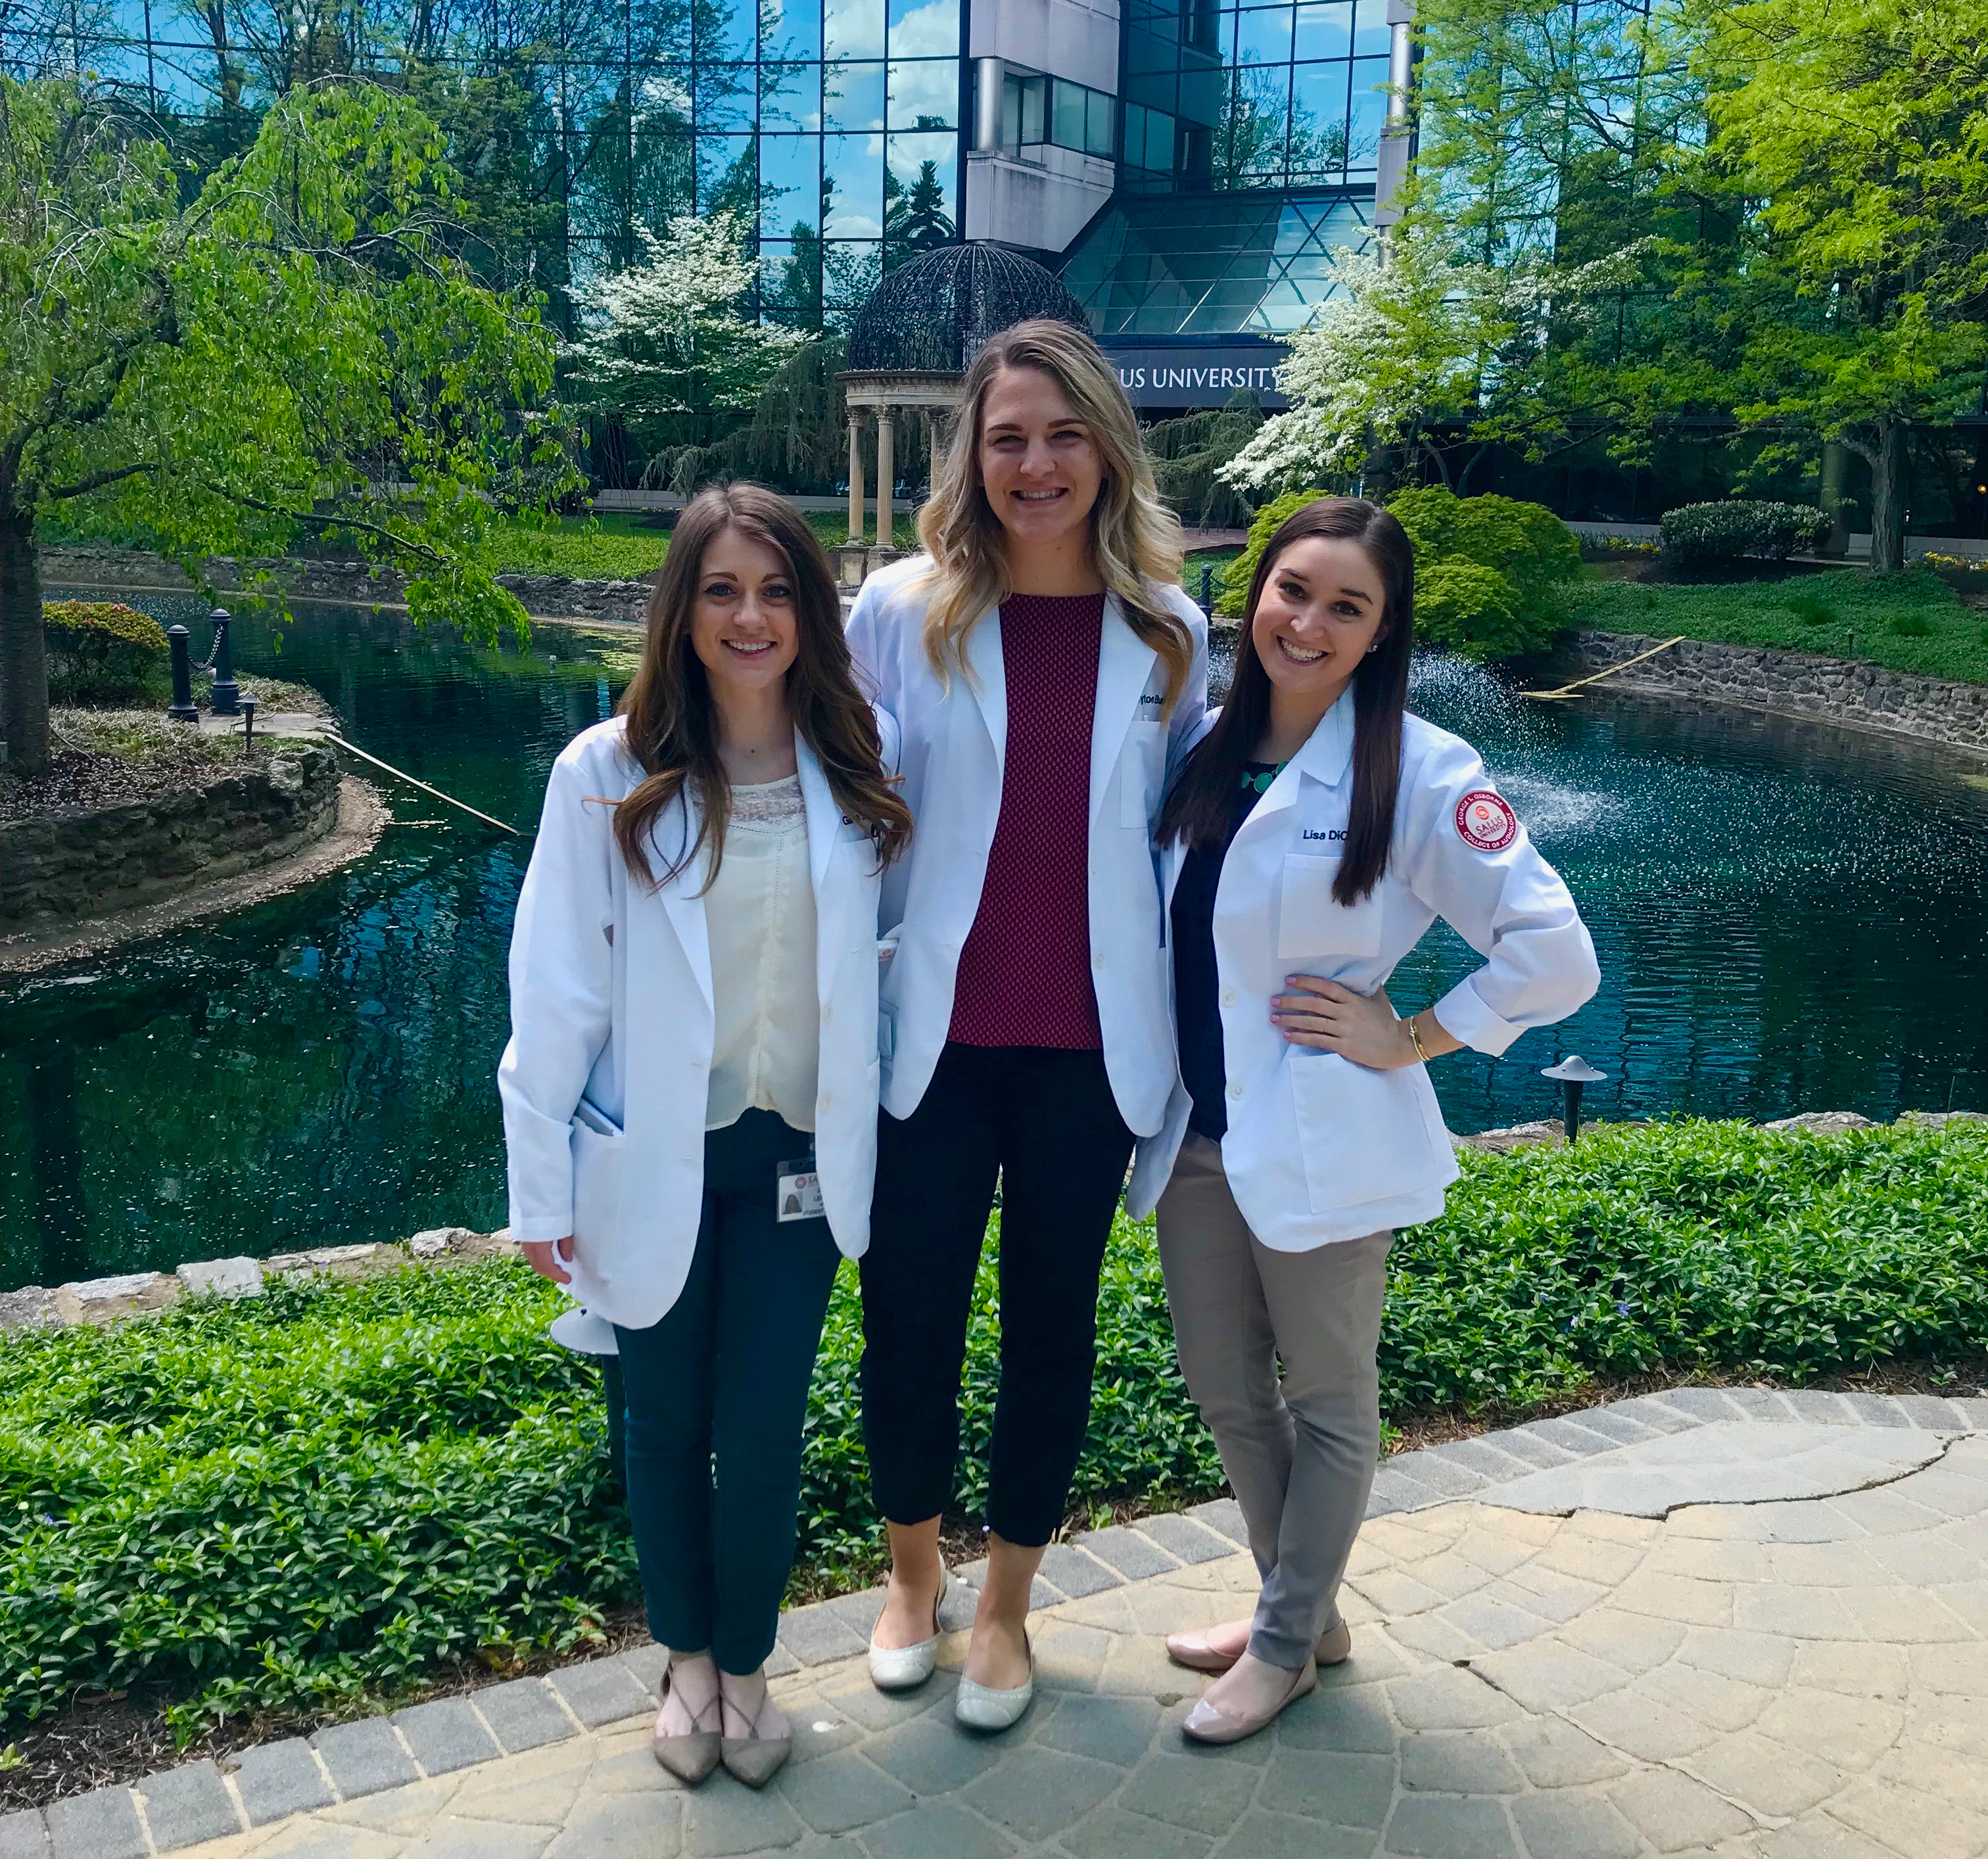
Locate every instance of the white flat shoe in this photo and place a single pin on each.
(977, 1708)
(904, 1669)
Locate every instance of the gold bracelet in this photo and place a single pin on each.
(1415, 1040)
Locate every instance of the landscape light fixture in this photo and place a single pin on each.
(1571, 1073)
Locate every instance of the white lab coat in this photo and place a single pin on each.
(955, 745)
(1318, 1148)
(605, 1078)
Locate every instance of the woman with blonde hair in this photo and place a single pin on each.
(1039, 658)
(693, 1010)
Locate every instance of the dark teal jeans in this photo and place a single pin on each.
(717, 1395)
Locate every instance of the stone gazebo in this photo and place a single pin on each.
(910, 346)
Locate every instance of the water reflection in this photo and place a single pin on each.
(1788, 918)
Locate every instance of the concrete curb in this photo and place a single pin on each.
(253, 1787)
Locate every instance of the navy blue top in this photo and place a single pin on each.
(1198, 1014)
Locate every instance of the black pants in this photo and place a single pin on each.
(1045, 1122)
(724, 1375)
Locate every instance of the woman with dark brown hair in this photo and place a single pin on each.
(1314, 831)
(694, 1016)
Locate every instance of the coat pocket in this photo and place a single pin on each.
(1362, 1132)
(599, 1154)
(1311, 922)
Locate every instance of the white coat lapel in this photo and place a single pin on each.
(1326, 756)
(988, 686)
(823, 815)
(1124, 664)
(682, 896)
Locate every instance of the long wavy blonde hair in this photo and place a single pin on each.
(1135, 540)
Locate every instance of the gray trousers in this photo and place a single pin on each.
(1299, 1454)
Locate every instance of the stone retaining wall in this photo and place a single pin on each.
(81, 863)
(551, 597)
(1789, 684)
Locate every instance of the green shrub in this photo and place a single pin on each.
(1912, 626)
(103, 652)
(1811, 610)
(1695, 535)
(1532, 553)
(337, 1492)
(1489, 570)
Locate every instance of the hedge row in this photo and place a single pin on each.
(1695, 535)
(337, 1491)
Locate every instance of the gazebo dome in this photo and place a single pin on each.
(932, 316)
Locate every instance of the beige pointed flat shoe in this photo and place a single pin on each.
(692, 1755)
(1335, 1646)
(1210, 1724)
(755, 1760)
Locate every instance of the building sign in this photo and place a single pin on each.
(1189, 375)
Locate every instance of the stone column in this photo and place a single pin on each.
(855, 476)
(886, 472)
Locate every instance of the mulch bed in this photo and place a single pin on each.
(99, 1742)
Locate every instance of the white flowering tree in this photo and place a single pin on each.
(1410, 354)
(665, 335)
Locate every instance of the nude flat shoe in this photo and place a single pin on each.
(755, 1760)
(692, 1756)
(1210, 1724)
(904, 1669)
(1335, 1646)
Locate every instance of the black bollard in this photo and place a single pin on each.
(181, 709)
(1207, 588)
(1572, 1072)
(225, 689)
(247, 720)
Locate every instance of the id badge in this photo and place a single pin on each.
(798, 1190)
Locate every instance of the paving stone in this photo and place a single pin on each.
(1436, 1826)
(942, 1829)
(1573, 1827)
(861, 1701)
(1973, 1409)
(1877, 1410)
(1339, 1788)
(1190, 1791)
(601, 1691)
(842, 1791)
(364, 1757)
(187, 1805)
(524, 1714)
(1182, 1537)
(644, 1826)
(1698, 1403)
(445, 1736)
(1076, 1573)
(1114, 1730)
(1523, 1444)
(103, 1824)
(1132, 1555)
(1394, 1490)
(858, 1612)
(780, 1661)
(1035, 1793)
(1225, 1515)
(277, 1778)
(1354, 1719)
(1458, 1762)
(1281, 1836)
(1672, 1812)
(1444, 1476)
(1769, 1777)
(645, 1665)
(1612, 1423)
(1449, 1699)
(932, 1757)
(1112, 1834)
(1582, 1441)
(1555, 1754)
(1480, 1457)
(23, 1836)
(1819, 1406)
(1647, 1410)
(722, 1817)
(1760, 1402)
(1930, 1410)
(818, 1634)
(450, 1838)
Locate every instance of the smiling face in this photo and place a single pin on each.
(743, 626)
(1323, 606)
(1039, 467)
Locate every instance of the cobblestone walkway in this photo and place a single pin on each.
(1695, 1623)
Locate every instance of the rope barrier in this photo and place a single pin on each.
(1569, 690)
(332, 735)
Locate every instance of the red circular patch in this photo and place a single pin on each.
(1484, 821)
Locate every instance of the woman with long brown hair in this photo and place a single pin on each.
(690, 1090)
(1039, 658)
(1314, 832)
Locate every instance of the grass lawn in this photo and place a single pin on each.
(1910, 622)
(342, 1492)
(618, 547)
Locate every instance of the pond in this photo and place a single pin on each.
(1789, 917)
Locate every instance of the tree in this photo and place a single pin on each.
(915, 217)
(298, 347)
(665, 335)
(1410, 354)
(1850, 140)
